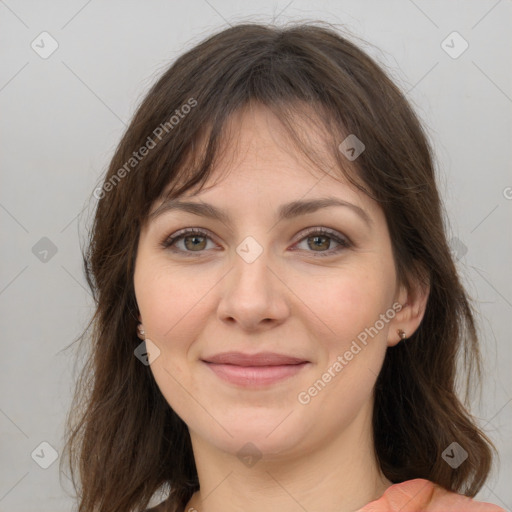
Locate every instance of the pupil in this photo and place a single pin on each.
(317, 238)
(194, 240)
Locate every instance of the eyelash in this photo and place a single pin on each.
(170, 241)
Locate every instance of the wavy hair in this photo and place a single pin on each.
(122, 437)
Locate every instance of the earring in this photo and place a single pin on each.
(140, 332)
(402, 335)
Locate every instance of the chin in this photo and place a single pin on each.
(255, 432)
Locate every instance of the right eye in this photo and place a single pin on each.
(193, 238)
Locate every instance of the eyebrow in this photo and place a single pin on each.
(286, 211)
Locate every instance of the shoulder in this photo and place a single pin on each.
(425, 496)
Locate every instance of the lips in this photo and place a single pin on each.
(254, 370)
(261, 359)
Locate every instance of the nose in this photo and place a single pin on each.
(253, 294)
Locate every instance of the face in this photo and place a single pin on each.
(316, 286)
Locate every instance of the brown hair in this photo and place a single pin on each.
(122, 436)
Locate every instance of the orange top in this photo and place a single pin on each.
(420, 495)
(417, 495)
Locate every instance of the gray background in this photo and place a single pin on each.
(62, 116)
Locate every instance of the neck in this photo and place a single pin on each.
(341, 476)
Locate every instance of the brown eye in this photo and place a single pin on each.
(320, 242)
(193, 241)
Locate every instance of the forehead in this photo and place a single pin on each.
(261, 176)
(258, 156)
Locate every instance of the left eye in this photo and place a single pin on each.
(320, 238)
(195, 240)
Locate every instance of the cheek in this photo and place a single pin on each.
(170, 303)
(172, 311)
(354, 347)
(350, 302)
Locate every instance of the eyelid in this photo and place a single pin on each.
(171, 239)
(343, 241)
(324, 230)
(190, 230)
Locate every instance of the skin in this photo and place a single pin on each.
(290, 300)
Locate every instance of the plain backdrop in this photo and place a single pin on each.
(71, 76)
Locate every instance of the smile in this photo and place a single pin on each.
(255, 376)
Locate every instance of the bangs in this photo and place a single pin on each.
(311, 133)
(316, 96)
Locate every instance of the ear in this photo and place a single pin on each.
(414, 303)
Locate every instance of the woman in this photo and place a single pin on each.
(278, 313)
